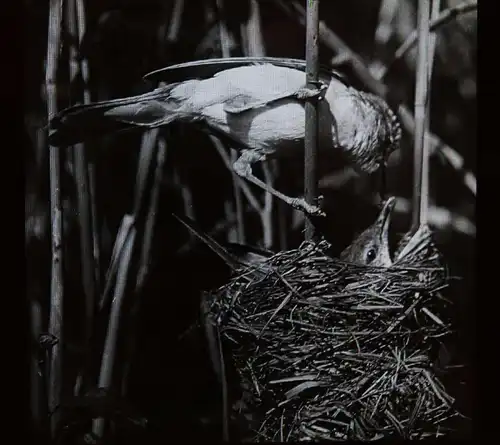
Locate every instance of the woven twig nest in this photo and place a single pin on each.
(336, 351)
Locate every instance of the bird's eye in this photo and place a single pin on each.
(370, 255)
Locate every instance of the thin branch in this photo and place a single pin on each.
(446, 16)
(311, 110)
(57, 289)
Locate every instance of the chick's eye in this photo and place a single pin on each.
(370, 255)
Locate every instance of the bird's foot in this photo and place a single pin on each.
(309, 209)
(306, 93)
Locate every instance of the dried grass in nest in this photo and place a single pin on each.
(336, 351)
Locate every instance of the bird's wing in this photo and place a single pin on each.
(254, 86)
(202, 69)
(238, 89)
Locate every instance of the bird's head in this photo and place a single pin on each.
(371, 248)
(385, 134)
(367, 128)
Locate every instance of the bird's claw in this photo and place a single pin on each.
(309, 209)
(306, 93)
(319, 201)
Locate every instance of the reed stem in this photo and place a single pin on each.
(311, 109)
(57, 287)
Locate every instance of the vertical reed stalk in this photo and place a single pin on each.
(57, 287)
(83, 191)
(421, 149)
(311, 108)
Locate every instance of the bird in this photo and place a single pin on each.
(370, 248)
(256, 104)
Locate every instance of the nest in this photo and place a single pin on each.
(327, 350)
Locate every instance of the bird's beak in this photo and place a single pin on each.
(384, 219)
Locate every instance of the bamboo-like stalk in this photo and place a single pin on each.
(111, 342)
(83, 191)
(57, 287)
(311, 109)
(438, 21)
(335, 43)
(424, 191)
(420, 149)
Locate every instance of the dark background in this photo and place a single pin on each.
(171, 383)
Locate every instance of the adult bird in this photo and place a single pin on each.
(370, 248)
(255, 103)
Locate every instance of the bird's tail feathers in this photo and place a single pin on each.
(83, 122)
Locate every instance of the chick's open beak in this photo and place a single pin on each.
(384, 219)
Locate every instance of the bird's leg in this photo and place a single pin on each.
(307, 93)
(243, 168)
